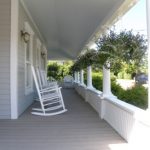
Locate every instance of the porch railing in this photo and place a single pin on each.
(131, 122)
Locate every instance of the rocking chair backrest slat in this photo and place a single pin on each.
(36, 81)
(43, 77)
(39, 78)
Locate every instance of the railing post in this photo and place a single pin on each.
(89, 77)
(148, 37)
(106, 83)
(81, 77)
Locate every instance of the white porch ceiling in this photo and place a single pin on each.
(67, 25)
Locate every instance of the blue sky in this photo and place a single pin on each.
(134, 19)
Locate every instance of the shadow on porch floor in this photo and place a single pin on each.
(80, 128)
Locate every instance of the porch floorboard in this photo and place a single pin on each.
(80, 128)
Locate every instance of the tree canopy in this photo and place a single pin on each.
(121, 48)
(115, 51)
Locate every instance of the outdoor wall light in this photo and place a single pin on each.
(25, 36)
(43, 54)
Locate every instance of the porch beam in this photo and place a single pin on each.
(148, 37)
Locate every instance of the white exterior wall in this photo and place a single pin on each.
(5, 25)
(25, 100)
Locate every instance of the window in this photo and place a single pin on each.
(28, 61)
(38, 54)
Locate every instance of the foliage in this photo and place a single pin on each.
(97, 80)
(88, 58)
(53, 70)
(84, 60)
(121, 52)
(75, 67)
(117, 49)
(137, 95)
(116, 88)
(58, 70)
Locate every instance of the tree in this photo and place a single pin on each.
(53, 70)
(58, 70)
(117, 49)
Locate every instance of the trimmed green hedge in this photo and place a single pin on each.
(137, 95)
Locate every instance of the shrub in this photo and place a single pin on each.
(97, 81)
(137, 96)
(116, 88)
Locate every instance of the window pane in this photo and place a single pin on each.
(28, 75)
(28, 51)
(38, 57)
(43, 63)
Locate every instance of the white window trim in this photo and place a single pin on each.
(38, 53)
(29, 90)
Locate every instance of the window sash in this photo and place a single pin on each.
(28, 61)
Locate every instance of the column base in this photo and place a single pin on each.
(83, 85)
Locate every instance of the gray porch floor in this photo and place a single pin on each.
(80, 128)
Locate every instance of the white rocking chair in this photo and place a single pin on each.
(42, 84)
(51, 100)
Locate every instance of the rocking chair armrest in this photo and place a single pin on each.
(50, 90)
(49, 87)
(53, 82)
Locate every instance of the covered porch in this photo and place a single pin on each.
(78, 129)
(60, 30)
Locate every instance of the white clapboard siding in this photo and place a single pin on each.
(24, 100)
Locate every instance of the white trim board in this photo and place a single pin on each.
(14, 59)
(28, 28)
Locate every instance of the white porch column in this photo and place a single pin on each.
(75, 77)
(106, 83)
(78, 77)
(148, 37)
(89, 77)
(81, 77)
